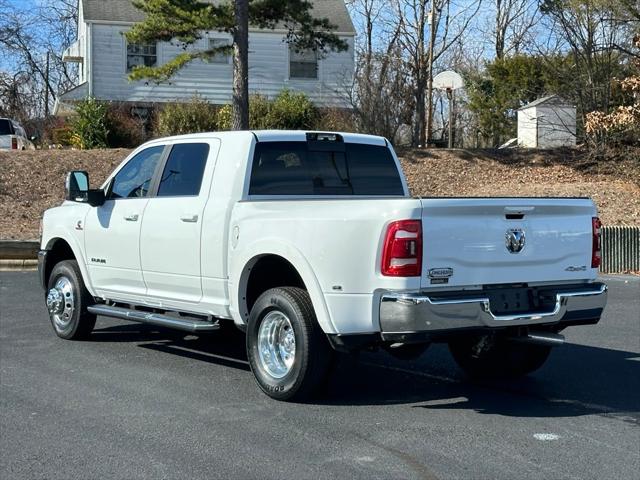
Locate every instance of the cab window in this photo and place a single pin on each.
(134, 179)
(183, 172)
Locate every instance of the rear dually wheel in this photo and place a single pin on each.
(288, 353)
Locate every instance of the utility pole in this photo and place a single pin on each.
(451, 107)
(432, 41)
(46, 88)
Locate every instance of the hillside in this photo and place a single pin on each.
(31, 182)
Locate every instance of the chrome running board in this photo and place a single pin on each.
(186, 324)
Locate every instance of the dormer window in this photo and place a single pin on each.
(303, 64)
(141, 55)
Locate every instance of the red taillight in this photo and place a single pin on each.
(14, 143)
(402, 253)
(596, 253)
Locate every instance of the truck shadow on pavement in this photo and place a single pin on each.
(577, 380)
(221, 347)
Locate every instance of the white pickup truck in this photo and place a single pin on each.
(310, 242)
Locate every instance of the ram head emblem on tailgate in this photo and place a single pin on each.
(514, 239)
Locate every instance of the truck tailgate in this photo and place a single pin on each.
(483, 241)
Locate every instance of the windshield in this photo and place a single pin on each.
(5, 127)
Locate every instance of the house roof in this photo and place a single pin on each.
(123, 11)
(549, 99)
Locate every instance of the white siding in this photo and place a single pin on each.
(82, 45)
(547, 126)
(527, 128)
(268, 71)
(556, 126)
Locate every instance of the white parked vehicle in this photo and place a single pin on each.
(310, 242)
(13, 136)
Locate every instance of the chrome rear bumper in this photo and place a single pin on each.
(404, 313)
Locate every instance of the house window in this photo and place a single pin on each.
(220, 58)
(141, 55)
(303, 63)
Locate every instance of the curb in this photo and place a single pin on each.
(19, 249)
(18, 255)
(12, 265)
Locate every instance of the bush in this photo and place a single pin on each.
(61, 136)
(194, 116)
(89, 126)
(260, 112)
(335, 120)
(288, 111)
(125, 130)
(224, 118)
(292, 111)
(259, 108)
(55, 131)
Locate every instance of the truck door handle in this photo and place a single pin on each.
(189, 218)
(131, 218)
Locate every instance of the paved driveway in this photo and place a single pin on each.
(140, 402)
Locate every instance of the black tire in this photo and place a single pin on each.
(312, 355)
(78, 323)
(498, 358)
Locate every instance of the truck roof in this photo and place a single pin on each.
(280, 136)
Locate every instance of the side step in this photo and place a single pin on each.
(185, 324)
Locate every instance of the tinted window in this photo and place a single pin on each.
(303, 64)
(5, 127)
(134, 179)
(299, 168)
(183, 172)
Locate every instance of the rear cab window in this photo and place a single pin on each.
(317, 168)
(6, 127)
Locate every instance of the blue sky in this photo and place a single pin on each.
(22, 3)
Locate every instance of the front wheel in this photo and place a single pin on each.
(287, 351)
(67, 301)
(490, 356)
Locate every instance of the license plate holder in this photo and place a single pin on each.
(510, 300)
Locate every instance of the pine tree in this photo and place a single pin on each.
(187, 21)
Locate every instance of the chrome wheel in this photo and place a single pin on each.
(60, 303)
(276, 344)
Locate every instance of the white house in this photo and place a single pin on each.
(104, 59)
(548, 122)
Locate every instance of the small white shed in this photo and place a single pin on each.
(548, 122)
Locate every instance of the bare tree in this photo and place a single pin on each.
(33, 40)
(16, 100)
(428, 29)
(592, 31)
(379, 89)
(513, 21)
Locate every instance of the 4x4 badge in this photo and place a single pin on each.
(514, 240)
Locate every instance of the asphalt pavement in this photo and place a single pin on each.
(141, 402)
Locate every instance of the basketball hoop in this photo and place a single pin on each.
(449, 81)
